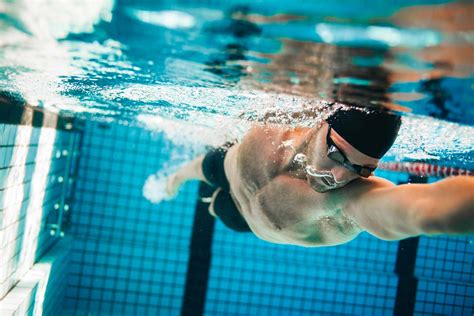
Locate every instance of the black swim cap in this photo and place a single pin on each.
(372, 132)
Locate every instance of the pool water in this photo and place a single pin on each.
(152, 83)
(194, 66)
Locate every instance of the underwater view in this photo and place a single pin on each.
(236, 157)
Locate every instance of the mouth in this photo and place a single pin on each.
(328, 182)
(321, 181)
(321, 185)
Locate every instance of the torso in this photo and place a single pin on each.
(252, 167)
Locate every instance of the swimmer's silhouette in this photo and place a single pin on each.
(314, 186)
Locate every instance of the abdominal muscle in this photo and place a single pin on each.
(295, 226)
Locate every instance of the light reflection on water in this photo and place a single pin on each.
(181, 67)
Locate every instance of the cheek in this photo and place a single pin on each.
(322, 163)
(319, 160)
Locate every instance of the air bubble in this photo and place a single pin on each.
(300, 158)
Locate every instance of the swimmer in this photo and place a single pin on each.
(315, 186)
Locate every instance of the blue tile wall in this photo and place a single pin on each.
(444, 298)
(58, 279)
(446, 258)
(242, 286)
(130, 256)
(124, 278)
(41, 290)
(378, 255)
(32, 163)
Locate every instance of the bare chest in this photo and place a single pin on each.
(298, 226)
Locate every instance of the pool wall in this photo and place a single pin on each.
(36, 157)
(129, 256)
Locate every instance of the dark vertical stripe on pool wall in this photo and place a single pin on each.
(197, 275)
(15, 110)
(405, 269)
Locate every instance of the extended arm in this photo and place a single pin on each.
(190, 171)
(397, 212)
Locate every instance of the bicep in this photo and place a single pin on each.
(385, 210)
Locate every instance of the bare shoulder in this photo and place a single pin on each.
(258, 137)
(361, 187)
(260, 156)
(354, 196)
(381, 208)
(357, 192)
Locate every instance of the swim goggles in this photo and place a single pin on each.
(335, 154)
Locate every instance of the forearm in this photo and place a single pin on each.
(191, 171)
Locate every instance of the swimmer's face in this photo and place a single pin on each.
(324, 173)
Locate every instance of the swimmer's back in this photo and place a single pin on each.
(261, 155)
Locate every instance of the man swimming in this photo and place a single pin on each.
(315, 186)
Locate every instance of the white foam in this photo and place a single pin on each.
(154, 189)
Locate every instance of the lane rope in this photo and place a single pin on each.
(424, 169)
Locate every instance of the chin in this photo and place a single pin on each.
(324, 189)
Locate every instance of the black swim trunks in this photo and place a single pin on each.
(224, 206)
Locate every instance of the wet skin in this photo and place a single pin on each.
(282, 204)
(267, 153)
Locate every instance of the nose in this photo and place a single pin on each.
(343, 175)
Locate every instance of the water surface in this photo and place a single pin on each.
(191, 69)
